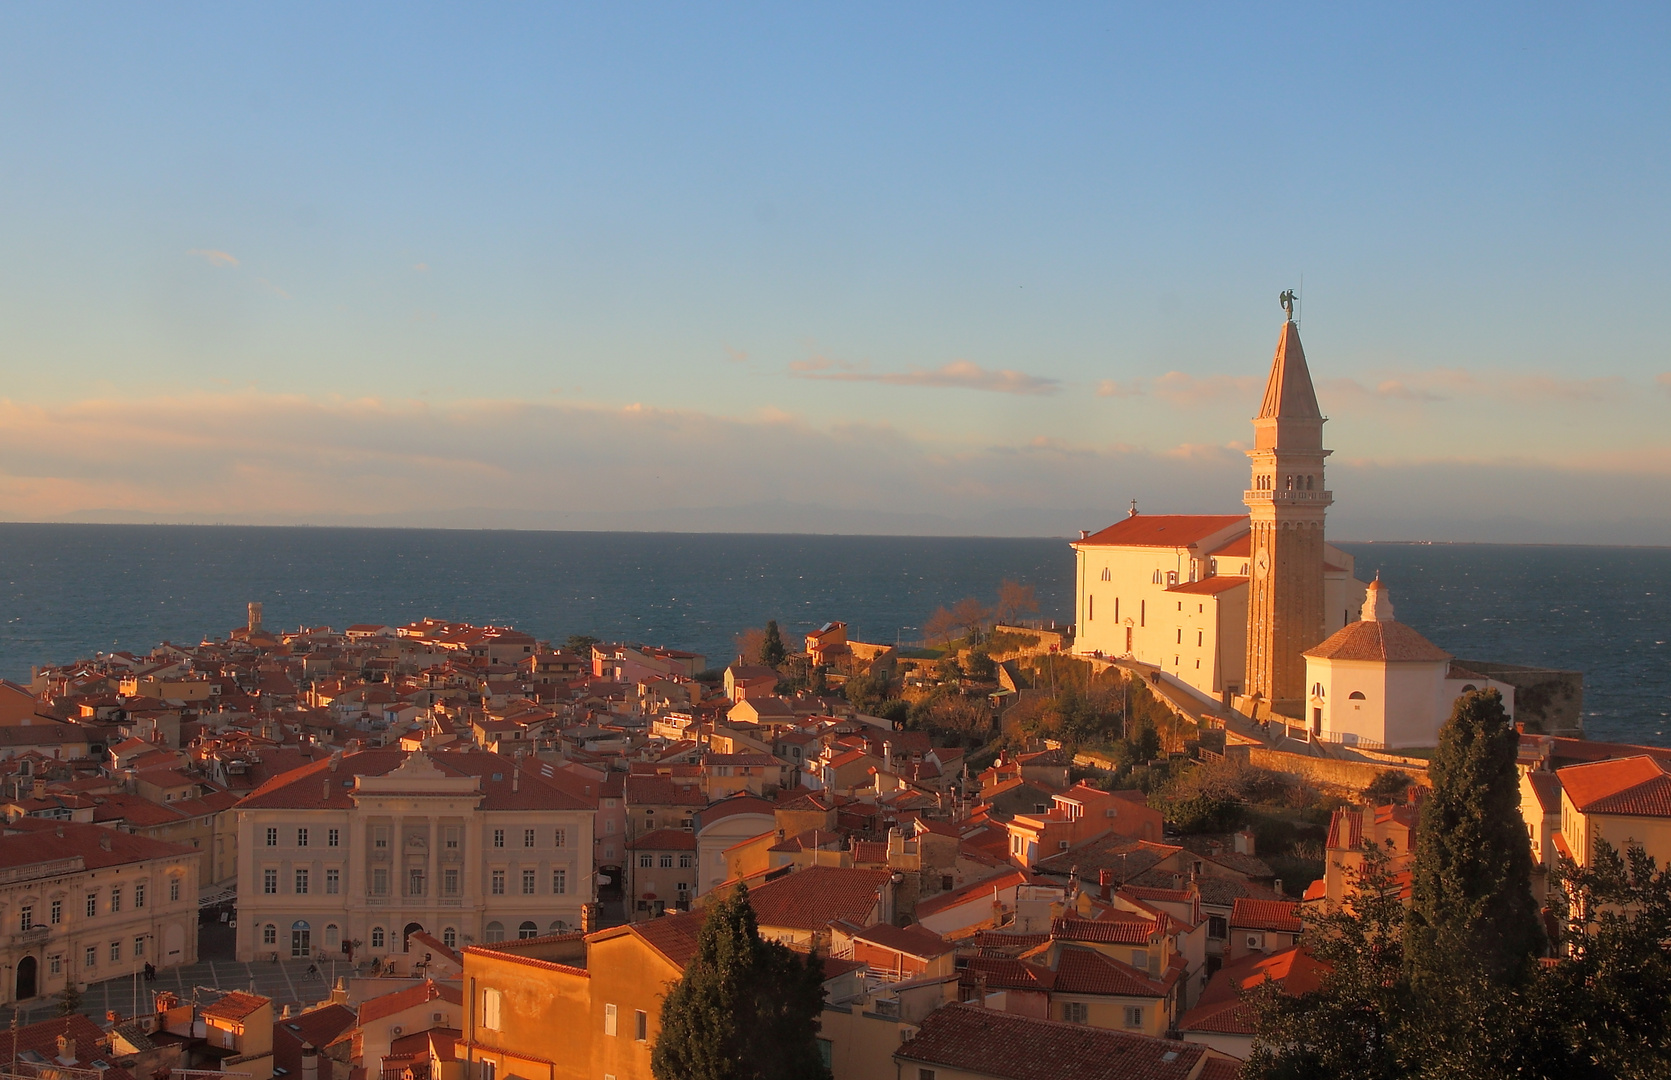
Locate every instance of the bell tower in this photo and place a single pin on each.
(1286, 503)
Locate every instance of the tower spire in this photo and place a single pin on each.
(1286, 502)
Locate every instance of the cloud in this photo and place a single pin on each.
(274, 288)
(1664, 380)
(1449, 384)
(957, 374)
(1183, 389)
(213, 257)
(252, 457)
(1110, 388)
(422, 268)
(738, 356)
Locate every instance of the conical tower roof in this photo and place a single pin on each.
(1288, 392)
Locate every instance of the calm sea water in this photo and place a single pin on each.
(72, 590)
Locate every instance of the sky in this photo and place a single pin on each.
(964, 269)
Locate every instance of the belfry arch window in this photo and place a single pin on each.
(1308, 481)
(1156, 579)
(1290, 481)
(1107, 574)
(1171, 578)
(1356, 695)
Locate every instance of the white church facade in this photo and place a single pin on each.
(1257, 610)
(1226, 603)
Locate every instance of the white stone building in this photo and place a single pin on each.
(82, 903)
(1377, 683)
(371, 848)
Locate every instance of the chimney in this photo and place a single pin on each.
(516, 774)
(38, 789)
(588, 918)
(1277, 885)
(104, 842)
(66, 1050)
(310, 1062)
(888, 755)
(1105, 878)
(255, 616)
(1245, 842)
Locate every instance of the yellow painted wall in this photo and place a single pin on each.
(630, 975)
(543, 1019)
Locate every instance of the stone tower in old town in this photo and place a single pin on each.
(1286, 502)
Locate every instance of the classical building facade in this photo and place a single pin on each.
(1228, 603)
(82, 903)
(371, 848)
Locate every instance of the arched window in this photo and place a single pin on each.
(449, 937)
(1356, 695)
(1290, 481)
(333, 935)
(1469, 687)
(377, 937)
(494, 931)
(1156, 579)
(1107, 574)
(1308, 482)
(558, 927)
(527, 930)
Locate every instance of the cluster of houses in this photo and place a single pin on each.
(510, 848)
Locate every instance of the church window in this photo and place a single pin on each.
(1200, 637)
(1171, 578)
(1090, 608)
(1142, 613)
(1290, 481)
(1308, 481)
(1116, 609)
(1180, 635)
(1356, 695)
(1107, 574)
(1156, 579)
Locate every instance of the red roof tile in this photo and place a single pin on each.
(1278, 915)
(1637, 786)
(1383, 640)
(1211, 586)
(412, 996)
(1162, 530)
(989, 1042)
(813, 898)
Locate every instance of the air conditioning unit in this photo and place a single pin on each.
(435, 1018)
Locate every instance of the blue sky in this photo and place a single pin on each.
(842, 268)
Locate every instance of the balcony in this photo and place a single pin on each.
(35, 935)
(1308, 498)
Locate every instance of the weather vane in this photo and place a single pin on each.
(1287, 299)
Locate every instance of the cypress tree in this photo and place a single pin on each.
(1473, 913)
(746, 1009)
(772, 651)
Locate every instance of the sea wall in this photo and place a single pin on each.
(1547, 701)
(1356, 775)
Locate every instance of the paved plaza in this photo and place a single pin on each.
(286, 982)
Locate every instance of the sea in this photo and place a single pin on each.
(71, 591)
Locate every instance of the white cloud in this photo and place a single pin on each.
(213, 257)
(957, 374)
(254, 457)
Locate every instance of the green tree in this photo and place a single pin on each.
(69, 1000)
(1471, 891)
(581, 644)
(1354, 1024)
(746, 1009)
(1388, 785)
(772, 651)
(1612, 991)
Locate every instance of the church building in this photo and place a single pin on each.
(1229, 603)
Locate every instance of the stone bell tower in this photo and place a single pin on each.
(1286, 503)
